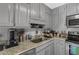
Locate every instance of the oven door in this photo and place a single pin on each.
(73, 50)
(72, 21)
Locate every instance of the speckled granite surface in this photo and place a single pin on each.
(23, 46)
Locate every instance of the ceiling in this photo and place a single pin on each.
(54, 5)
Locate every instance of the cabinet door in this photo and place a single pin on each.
(55, 19)
(35, 11)
(52, 49)
(59, 47)
(48, 20)
(42, 12)
(71, 9)
(41, 52)
(47, 10)
(62, 46)
(77, 7)
(67, 48)
(56, 47)
(62, 18)
(29, 52)
(6, 14)
(47, 50)
(21, 14)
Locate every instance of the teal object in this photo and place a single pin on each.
(73, 50)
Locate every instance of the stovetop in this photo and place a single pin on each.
(73, 41)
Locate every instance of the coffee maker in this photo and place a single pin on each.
(13, 41)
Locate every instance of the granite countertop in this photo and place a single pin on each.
(24, 46)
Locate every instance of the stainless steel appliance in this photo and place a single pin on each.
(13, 41)
(73, 43)
(73, 37)
(72, 21)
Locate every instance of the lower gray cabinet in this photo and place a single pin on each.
(42, 52)
(59, 47)
(67, 48)
(47, 50)
(30, 52)
(52, 49)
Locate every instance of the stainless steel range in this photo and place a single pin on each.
(73, 36)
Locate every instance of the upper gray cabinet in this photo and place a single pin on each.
(35, 11)
(47, 10)
(6, 14)
(71, 8)
(77, 7)
(21, 14)
(42, 12)
(62, 17)
(47, 20)
(45, 14)
(55, 19)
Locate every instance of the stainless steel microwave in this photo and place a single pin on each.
(72, 21)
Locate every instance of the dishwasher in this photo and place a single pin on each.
(29, 52)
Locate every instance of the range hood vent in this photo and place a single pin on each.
(34, 25)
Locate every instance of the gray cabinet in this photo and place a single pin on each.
(6, 14)
(55, 19)
(43, 49)
(52, 49)
(45, 15)
(67, 48)
(62, 17)
(77, 7)
(59, 47)
(48, 20)
(56, 47)
(71, 8)
(58, 21)
(21, 14)
(47, 10)
(47, 50)
(42, 52)
(35, 11)
(30, 52)
(42, 12)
